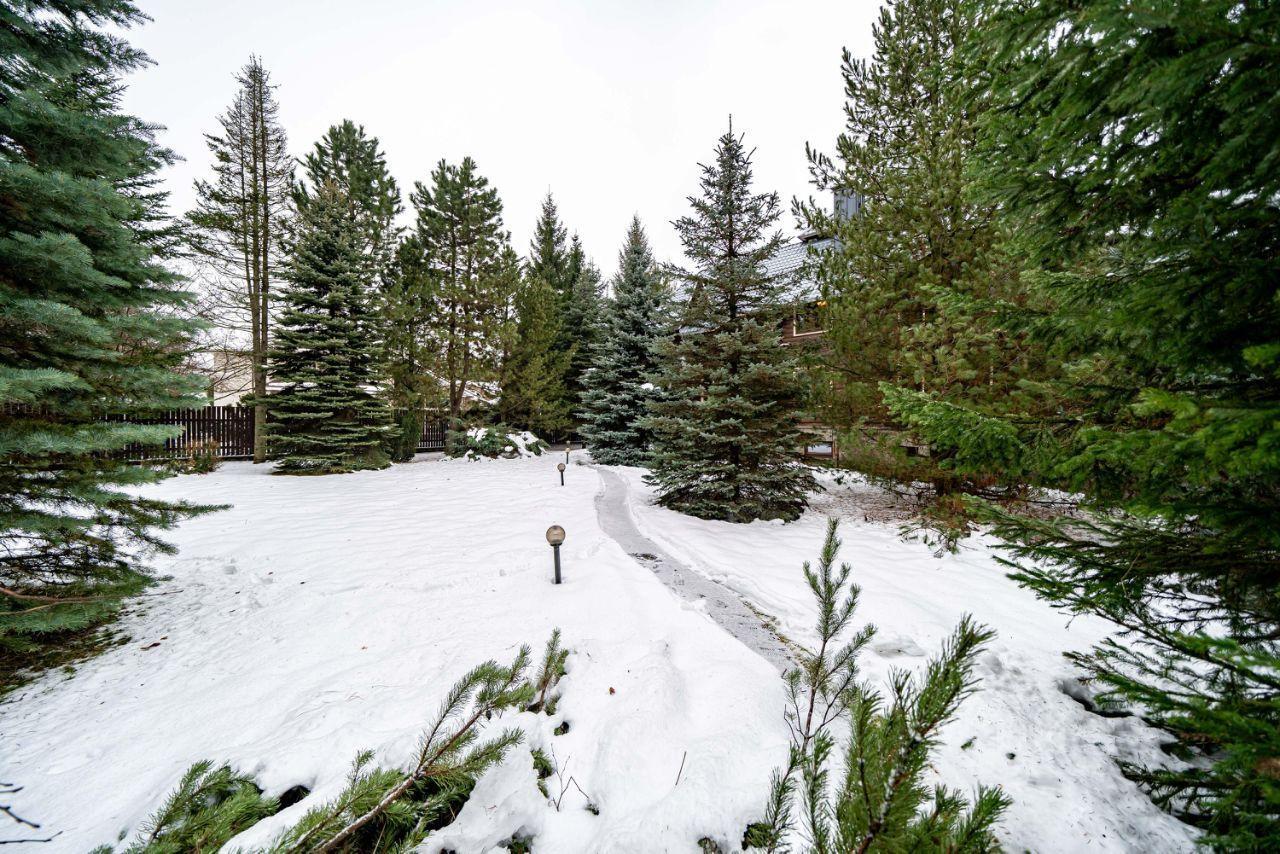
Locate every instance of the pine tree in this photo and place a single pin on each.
(241, 218)
(725, 432)
(408, 356)
(209, 806)
(879, 803)
(533, 393)
(916, 279)
(90, 320)
(619, 385)
(1142, 194)
(459, 230)
(325, 418)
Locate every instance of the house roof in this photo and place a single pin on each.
(788, 265)
(790, 259)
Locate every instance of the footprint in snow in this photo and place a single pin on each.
(897, 647)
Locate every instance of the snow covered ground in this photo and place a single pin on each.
(1020, 730)
(320, 616)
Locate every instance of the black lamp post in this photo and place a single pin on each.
(555, 536)
(560, 467)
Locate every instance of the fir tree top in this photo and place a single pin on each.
(355, 162)
(548, 256)
(729, 237)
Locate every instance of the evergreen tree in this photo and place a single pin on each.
(549, 258)
(460, 234)
(583, 318)
(356, 164)
(89, 320)
(324, 417)
(1142, 193)
(241, 218)
(619, 385)
(209, 806)
(879, 803)
(506, 331)
(560, 264)
(408, 357)
(725, 432)
(916, 279)
(533, 394)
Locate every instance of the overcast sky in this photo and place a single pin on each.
(608, 104)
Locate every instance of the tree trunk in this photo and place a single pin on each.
(264, 279)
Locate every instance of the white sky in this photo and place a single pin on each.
(609, 104)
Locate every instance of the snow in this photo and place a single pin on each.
(320, 616)
(521, 444)
(1023, 729)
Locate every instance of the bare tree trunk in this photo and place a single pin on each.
(264, 286)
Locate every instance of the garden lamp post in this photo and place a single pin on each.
(555, 536)
(560, 468)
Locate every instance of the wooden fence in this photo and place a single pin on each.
(229, 430)
(432, 438)
(226, 430)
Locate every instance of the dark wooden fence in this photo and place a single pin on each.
(229, 431)
(224, 430)
(432, 438)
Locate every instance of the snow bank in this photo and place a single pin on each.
(1020, 730)
(321, 616)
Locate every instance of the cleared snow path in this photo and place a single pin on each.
(722, 604)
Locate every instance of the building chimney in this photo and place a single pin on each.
(847, 203)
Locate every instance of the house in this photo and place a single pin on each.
(228, 372)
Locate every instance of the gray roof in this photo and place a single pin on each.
(788, 262)
(790, 259)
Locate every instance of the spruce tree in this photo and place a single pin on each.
(325, 417)
(619, 386)
(560, 265)
(90, 320)
(583, 318)
(915, 281)
(1142, 196)
(549, 256)
(356, 164)
(725, 434)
